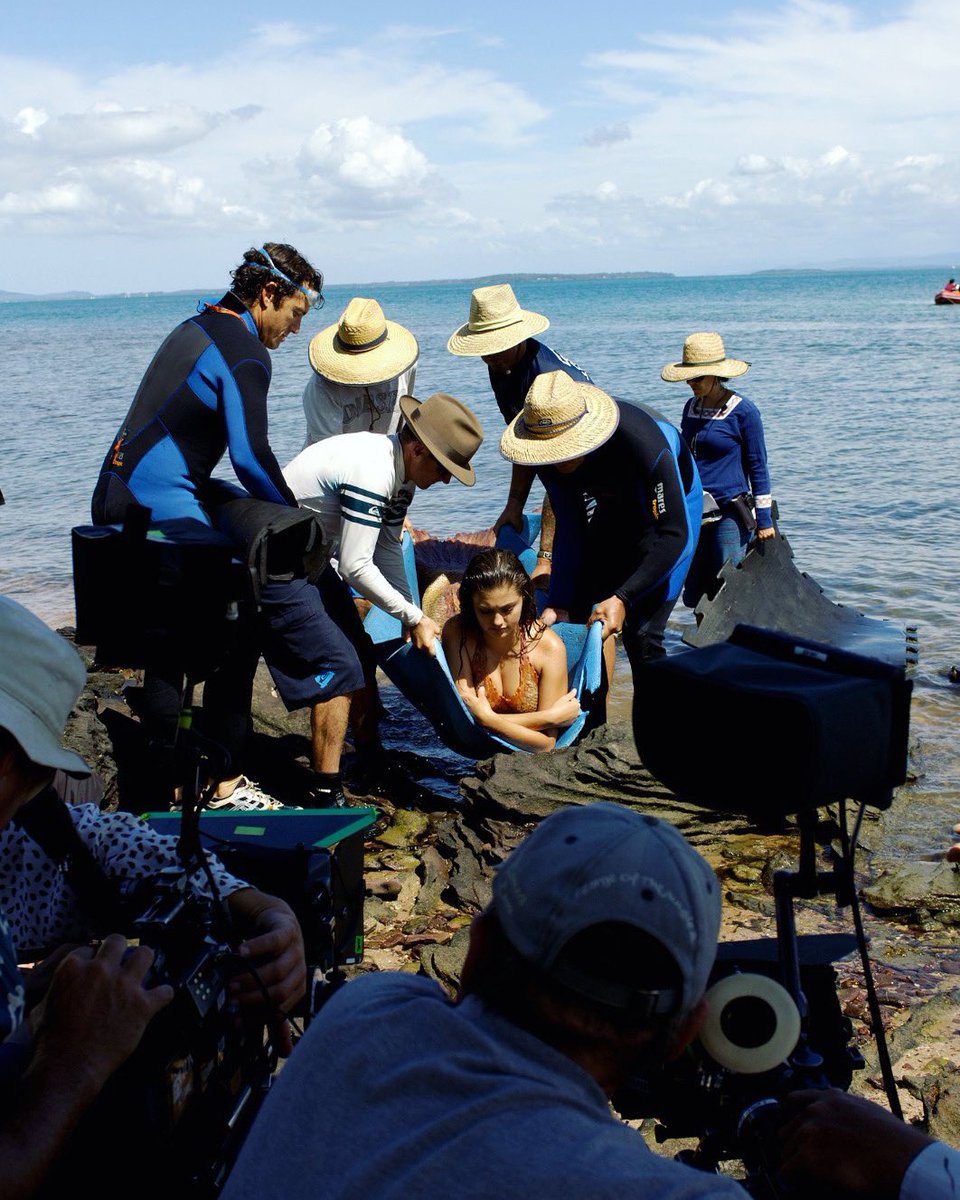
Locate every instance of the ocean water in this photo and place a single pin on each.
(854, 374)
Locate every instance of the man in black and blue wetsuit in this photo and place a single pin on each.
(627, 499)
(205, 393)
(501, 333)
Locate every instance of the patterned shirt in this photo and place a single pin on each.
(41, 907)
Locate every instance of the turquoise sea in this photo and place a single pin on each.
(854, 374)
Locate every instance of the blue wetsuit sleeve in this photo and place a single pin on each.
(754, 456)
(245, 418)
(660, 505)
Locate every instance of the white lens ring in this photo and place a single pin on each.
(750, 1060)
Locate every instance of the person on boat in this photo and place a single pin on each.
(502, 334)
(623, 486)
(360, 486)
(510, 669)
(725, 433)
(950, 286)
(362, 365)
(205, 393)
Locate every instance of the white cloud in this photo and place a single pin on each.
(756, 164)
(357, 162)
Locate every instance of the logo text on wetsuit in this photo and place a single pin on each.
(659, 505)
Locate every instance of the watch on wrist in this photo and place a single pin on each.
(547, 554)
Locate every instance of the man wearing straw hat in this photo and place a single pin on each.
(362, 366)
(627, 499)
(502, 334)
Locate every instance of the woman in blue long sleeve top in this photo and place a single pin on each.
(725, 434)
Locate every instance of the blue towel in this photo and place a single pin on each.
(427, 683)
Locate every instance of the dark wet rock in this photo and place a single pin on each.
(435, 871)
(525, 788)
(445, 963)
(471, 865)
(918, 892)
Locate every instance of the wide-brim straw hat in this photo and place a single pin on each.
(561, 419)
(704, 354)
(448, 429)
(363, 347)
(497, 323)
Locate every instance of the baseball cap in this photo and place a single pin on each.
(591, 864)
(41, 676)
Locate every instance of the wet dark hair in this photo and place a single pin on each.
(490, 569)
(254, 273)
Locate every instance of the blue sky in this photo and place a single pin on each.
(145, 148)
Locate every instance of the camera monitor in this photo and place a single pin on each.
(769, 725)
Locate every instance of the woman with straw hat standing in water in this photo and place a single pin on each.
(725, 435)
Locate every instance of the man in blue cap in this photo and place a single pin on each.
(591, 960)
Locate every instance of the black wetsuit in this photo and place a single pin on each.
(627, 524)
(204, 393)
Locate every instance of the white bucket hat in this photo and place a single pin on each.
(561, 419)
(41, 676)
(497, 323)
(703, 354)
(363, 347)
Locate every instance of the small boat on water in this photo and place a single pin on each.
(951, 296)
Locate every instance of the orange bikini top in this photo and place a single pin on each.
(526, 697)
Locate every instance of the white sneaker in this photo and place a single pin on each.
(247, 797)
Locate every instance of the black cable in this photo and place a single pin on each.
(883, 1052)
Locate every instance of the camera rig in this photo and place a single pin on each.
(178, 1110)
(835, 729)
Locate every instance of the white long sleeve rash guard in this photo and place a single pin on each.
(357, 485)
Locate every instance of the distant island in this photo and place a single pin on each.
(10, 297)
(369, 287)
(792, 271)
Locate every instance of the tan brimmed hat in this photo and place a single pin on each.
(497, 322)
(363, 347)
(448, 429)
(40, 680)
(561, 419)
(703, 354)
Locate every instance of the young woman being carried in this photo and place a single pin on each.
(511, 671)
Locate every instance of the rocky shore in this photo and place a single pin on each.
(429, 870)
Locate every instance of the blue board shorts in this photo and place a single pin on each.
(315, 645)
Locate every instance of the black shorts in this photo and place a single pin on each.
(314, 642)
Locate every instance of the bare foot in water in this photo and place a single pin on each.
(953, 854)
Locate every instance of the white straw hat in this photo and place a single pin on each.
(561, 419)
(40, 678)
(703, 354)
(497, 322)
(363, 347)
